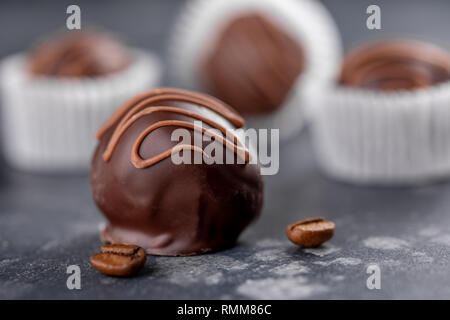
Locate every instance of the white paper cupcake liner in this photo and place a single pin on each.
(49, 124)
(306, 20)
(384, 138)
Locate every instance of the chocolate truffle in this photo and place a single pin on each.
(252, 65)
(78, 54)
(395, 65)
(171, 209)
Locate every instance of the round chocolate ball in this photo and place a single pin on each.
(78, 54)
(169, 208)
(395, 65)
(252, 65)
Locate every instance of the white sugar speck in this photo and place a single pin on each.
(280, 288)
(442, 239)
(214, 278)
(322, 251)
(228, 263)
(7, 262)
(385, 243)
(200, 269)
(422, 257)
(425, 259)
(391, 263)
(290, 269)
(270, 255)
(341, 261)
(267, 243)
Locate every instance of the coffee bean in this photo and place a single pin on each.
(311, 232)
(119, 259)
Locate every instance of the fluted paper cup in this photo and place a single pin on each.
(384, 138)
(48, 124)
(306, 20)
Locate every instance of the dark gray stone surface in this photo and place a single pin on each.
(50, 222)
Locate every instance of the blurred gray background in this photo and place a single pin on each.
(50, 222)
(147, 23)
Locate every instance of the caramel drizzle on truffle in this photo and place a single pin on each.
(138, 107)
(395, 65)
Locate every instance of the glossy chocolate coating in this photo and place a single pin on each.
(165, 208)
(395, 65)
(78, 54)
(252, 65)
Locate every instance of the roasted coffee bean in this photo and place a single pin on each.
(119, 259)
(311, 232)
